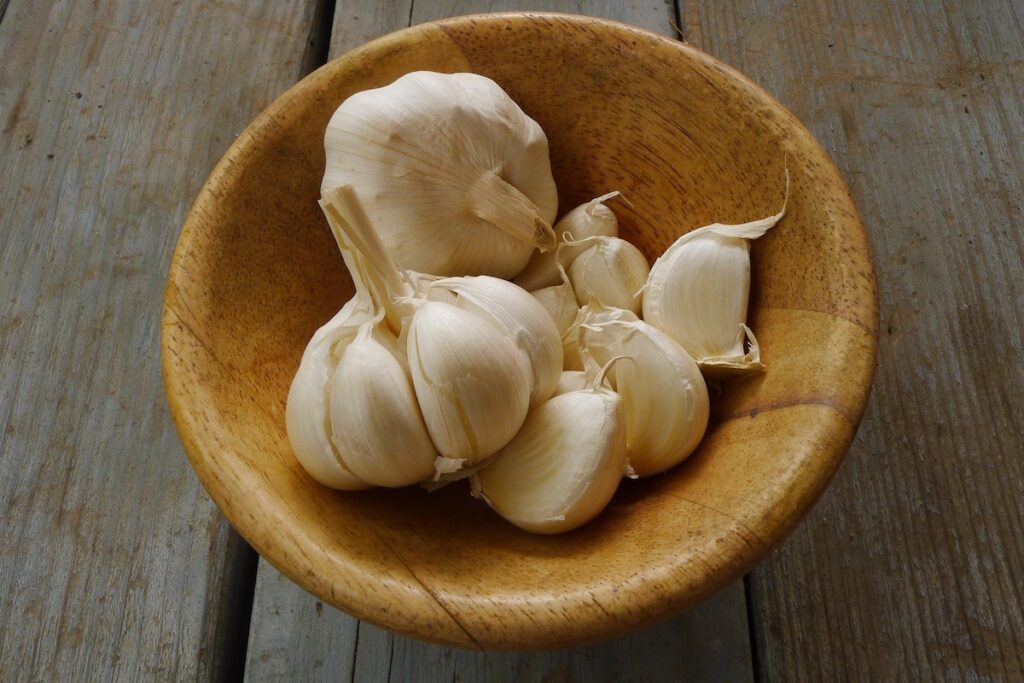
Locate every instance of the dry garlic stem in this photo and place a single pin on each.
(451, 171)
(610, 270)
(563, 466)
(587, 220)
(698, 293)
(663, 394)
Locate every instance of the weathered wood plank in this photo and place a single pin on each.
(115, 565)
(910, 567)
(296, 637)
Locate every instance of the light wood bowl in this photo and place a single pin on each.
(689, 141)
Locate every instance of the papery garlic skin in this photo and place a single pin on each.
(376, 423)
(592, 219)
(307, 412)
(611, 271)
(472, 383)
(451, 172)
(664, 397)
(593, 313)
(563, 466)
(523, 319)
(698, 292)
(560, 303)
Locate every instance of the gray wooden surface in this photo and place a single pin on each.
(911, 566)
(114, 564)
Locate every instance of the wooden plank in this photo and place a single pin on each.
(910, 567)
(296, 637)
(115, 564)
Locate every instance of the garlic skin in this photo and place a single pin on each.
(472, 383)
(451, 172)
(523, 319)
(592, 219)
(593, 313)
(611, 271)
(663, 393)
(376, 423)
(563, 466)
(560, 303)
(307, 414)
(698, 292)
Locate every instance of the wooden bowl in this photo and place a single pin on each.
(689, 141)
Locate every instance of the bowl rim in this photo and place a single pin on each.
(368, 607)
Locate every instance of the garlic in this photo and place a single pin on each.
(592, 313)
(472, 383)
(592, 219)
(450, 170)
(521, 317)
(560, 303)
(611, 271)
(376, 423)
(664, 397)
(307, 414)
(563, 466)
(571, 380)
(698, 292)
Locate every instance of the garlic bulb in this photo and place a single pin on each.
(698, 293)
(592, 313)
(307, 414)
(664, 397)
(450, 170)
(376, 423)
(563, 466)
(560, 303)
(471, 381)
(611, 271)
(520, 316)
(592, 219)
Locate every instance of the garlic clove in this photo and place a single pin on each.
(523, 319)
(664, 397)
(611, 271)
(591, 219)
(571, 380)
(563, 466)
(376, 423)
(698, 293)
(560, 302)
(455, 177)
(593, 313)
(307, 413)
(472, 383)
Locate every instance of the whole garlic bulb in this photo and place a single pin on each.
(520, 316)
(376, 423)
(563, 466)
(698, 292)
(663, 393)
(307, 413)
(592, 219)
(471, 381)
(450, 170)
(611, 271)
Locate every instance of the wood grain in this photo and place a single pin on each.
(114, 565)
(295, 636)
(910, 568)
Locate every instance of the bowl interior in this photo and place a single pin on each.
(688, 142)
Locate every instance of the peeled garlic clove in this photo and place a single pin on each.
(307, 413)
(611, 271)
(376, 423)
(471, 381)
(592, 219)
(663, 393)
(455, 177)
(560, 302)
(698, 292)
(520, 316)
(563, 466)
